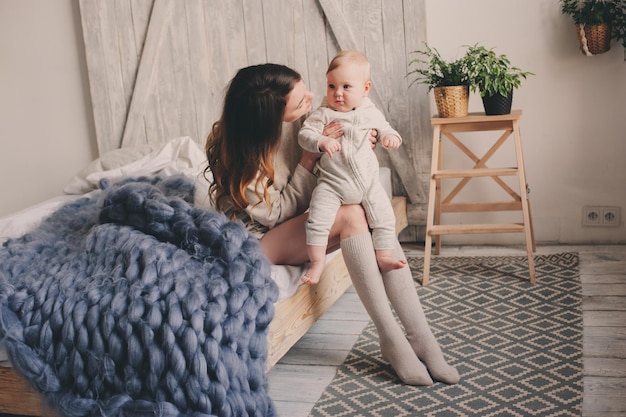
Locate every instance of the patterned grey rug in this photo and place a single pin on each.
(517, 347)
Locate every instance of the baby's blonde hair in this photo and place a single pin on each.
(352, 56)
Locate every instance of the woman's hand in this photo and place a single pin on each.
(374, 133)
(333, 130)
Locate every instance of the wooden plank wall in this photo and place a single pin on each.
(158, 68)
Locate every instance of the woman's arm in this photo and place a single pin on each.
(293, 199)
(287, 202)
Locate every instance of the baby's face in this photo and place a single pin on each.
(346, 86)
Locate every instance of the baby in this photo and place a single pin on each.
(348, 168)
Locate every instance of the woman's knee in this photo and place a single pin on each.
(351, 219)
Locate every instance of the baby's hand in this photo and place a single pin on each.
(390, 142)
(329, 146)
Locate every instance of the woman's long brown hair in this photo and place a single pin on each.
(241, 145)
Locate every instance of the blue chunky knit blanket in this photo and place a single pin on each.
(132, 302)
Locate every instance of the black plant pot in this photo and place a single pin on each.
(498, 104)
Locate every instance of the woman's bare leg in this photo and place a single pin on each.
(292, 253)
(350, 221)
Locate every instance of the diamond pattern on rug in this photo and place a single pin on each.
(517, 347)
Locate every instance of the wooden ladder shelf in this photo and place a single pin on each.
(438, 204)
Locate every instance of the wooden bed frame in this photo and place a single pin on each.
(293, 318)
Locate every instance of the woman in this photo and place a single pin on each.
(241, 150)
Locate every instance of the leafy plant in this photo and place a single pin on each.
(588, 12)
(618, 23)
(596, 12)
(434, 71)
(491, 73)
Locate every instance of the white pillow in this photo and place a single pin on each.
(179, 155)
(110, 160)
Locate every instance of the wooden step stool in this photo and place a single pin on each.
(438, 204)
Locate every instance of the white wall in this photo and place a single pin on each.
(573, 124)
(46, 127)
(574, 109)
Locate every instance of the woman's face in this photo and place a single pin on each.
(298, 102)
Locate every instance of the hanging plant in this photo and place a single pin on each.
(597, 22)
(619, 24)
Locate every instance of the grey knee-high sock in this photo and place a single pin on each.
(360, 259)
(401, 291)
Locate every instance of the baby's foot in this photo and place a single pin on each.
(389, 263)
(313, 274)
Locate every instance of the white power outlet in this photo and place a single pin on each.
(611, 216)
(601, 216)
(591, 216)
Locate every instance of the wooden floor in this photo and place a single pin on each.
(298, 380)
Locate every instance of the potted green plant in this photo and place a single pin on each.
(597, 22)
(448, 79)
(618, 24)
(494, 77)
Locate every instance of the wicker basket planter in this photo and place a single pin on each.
(594, 39)
(452, 101)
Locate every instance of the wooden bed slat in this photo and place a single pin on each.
(18, 397)
(295, 315)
